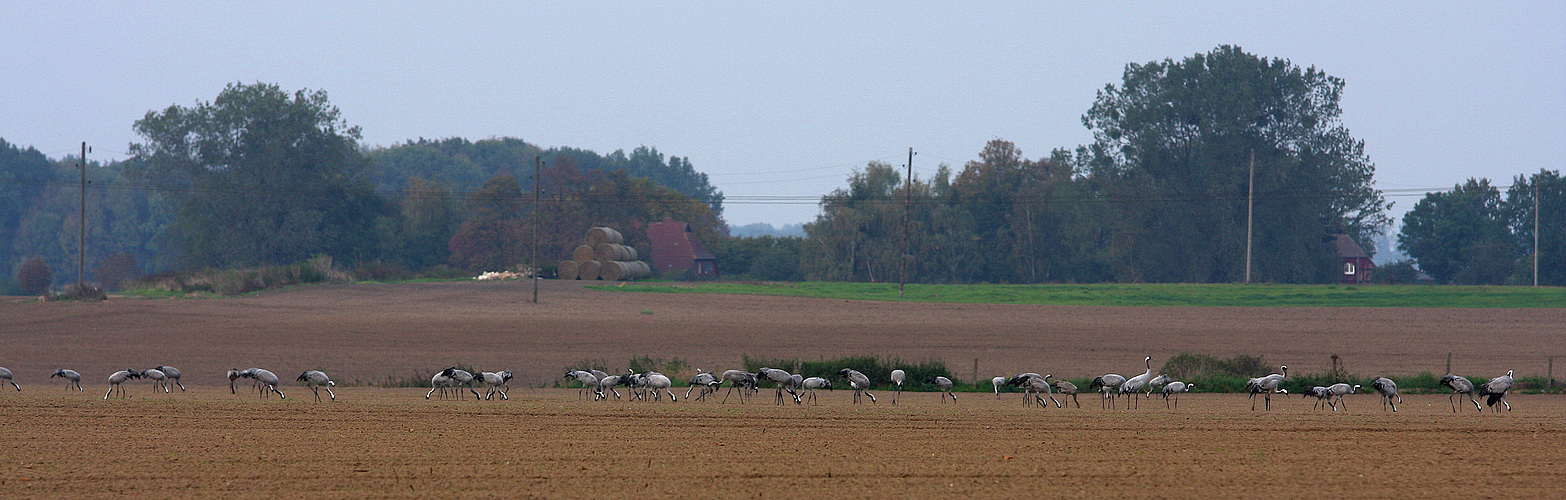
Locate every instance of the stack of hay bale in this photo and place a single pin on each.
(604, 255)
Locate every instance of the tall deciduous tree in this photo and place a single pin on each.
(266, 177)
(492, 239)
(1550, 188)
(1170, 154)
(1461, 236)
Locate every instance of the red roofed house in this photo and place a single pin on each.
(1356, 264)
(675, 251)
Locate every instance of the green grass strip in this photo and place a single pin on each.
(1141, 295)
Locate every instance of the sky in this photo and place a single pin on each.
(779, 104)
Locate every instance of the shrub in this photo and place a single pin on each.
(34, 277)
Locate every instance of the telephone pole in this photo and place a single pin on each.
(1536, 230)
(902, 281)
(81, 242)
(1250, 210)
(537, 159)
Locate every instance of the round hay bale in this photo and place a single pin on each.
(599, 235)
(610, 252)
(611, 270)
(637, 270)
(568, 270)
(583, 253)
(588, 270)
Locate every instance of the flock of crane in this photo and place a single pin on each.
(1036, 388)
(652, 385)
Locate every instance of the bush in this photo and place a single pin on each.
(34, 277)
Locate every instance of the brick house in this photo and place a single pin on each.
(675, 250)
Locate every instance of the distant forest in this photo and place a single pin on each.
(1187, 154)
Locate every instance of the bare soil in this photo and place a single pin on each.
(370, 332)
(547, 443)
(377, 442)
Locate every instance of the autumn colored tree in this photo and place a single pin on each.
(493, 237)
(34, 276)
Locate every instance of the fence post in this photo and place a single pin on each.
(1448, 362)
(1549, 374)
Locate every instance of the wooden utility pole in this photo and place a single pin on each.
(537, 190)
(81, 242)
(1250, 210)
(902, 281)
(1536, 231)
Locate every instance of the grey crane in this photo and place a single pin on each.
(812, 384)
(1066, 388)
(173, 374)
(1459, 385)
(440, 381)
(1388, 391)
(783, 379)
(1337, 391)
(739, 380)
(1494, 391)
(118, 378)
(317, 379)
(607, 383)
(897, 382)
(587, 379)
(1156, 384)
(266, 378)
(1175, 388)
(71, 378)
(159, 379)
(706, 381)
(1106, 385)
(494, 382)
(464, 378)
(945, 385)
(1322, 395)
(998, 383)
(1266, 386)
(859, 382)
(5, 373)
(1134, 385)
(658, 383)
(1032, 385)
(233, 374)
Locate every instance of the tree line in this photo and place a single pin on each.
(1189, 157)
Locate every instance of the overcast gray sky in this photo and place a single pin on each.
(778, 104)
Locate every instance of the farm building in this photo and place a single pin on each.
(675, 251)
(1355, 264)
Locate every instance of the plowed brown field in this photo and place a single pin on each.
(546, 443)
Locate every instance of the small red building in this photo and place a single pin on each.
(675, 250)
(1355, 264)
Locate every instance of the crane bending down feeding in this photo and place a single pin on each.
(1106, 385)
(1066, 388)
(117, 379)
(315, 379)
(783, 379)
(813, 383)
(1388, 390)
(159, 379)
(71, 378)
(233, 374)
(859, 382)
(1032, 385)
(1337, 391)
(268, 379)
(1494, 391)
(1134, 385)
(998, 382)
(1266, 386)
(945, 385)
(897, 381)
(740, 380)
(1459, 385)
(5, 373)
(1175, 388)
(587, 379)
(173, 374)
